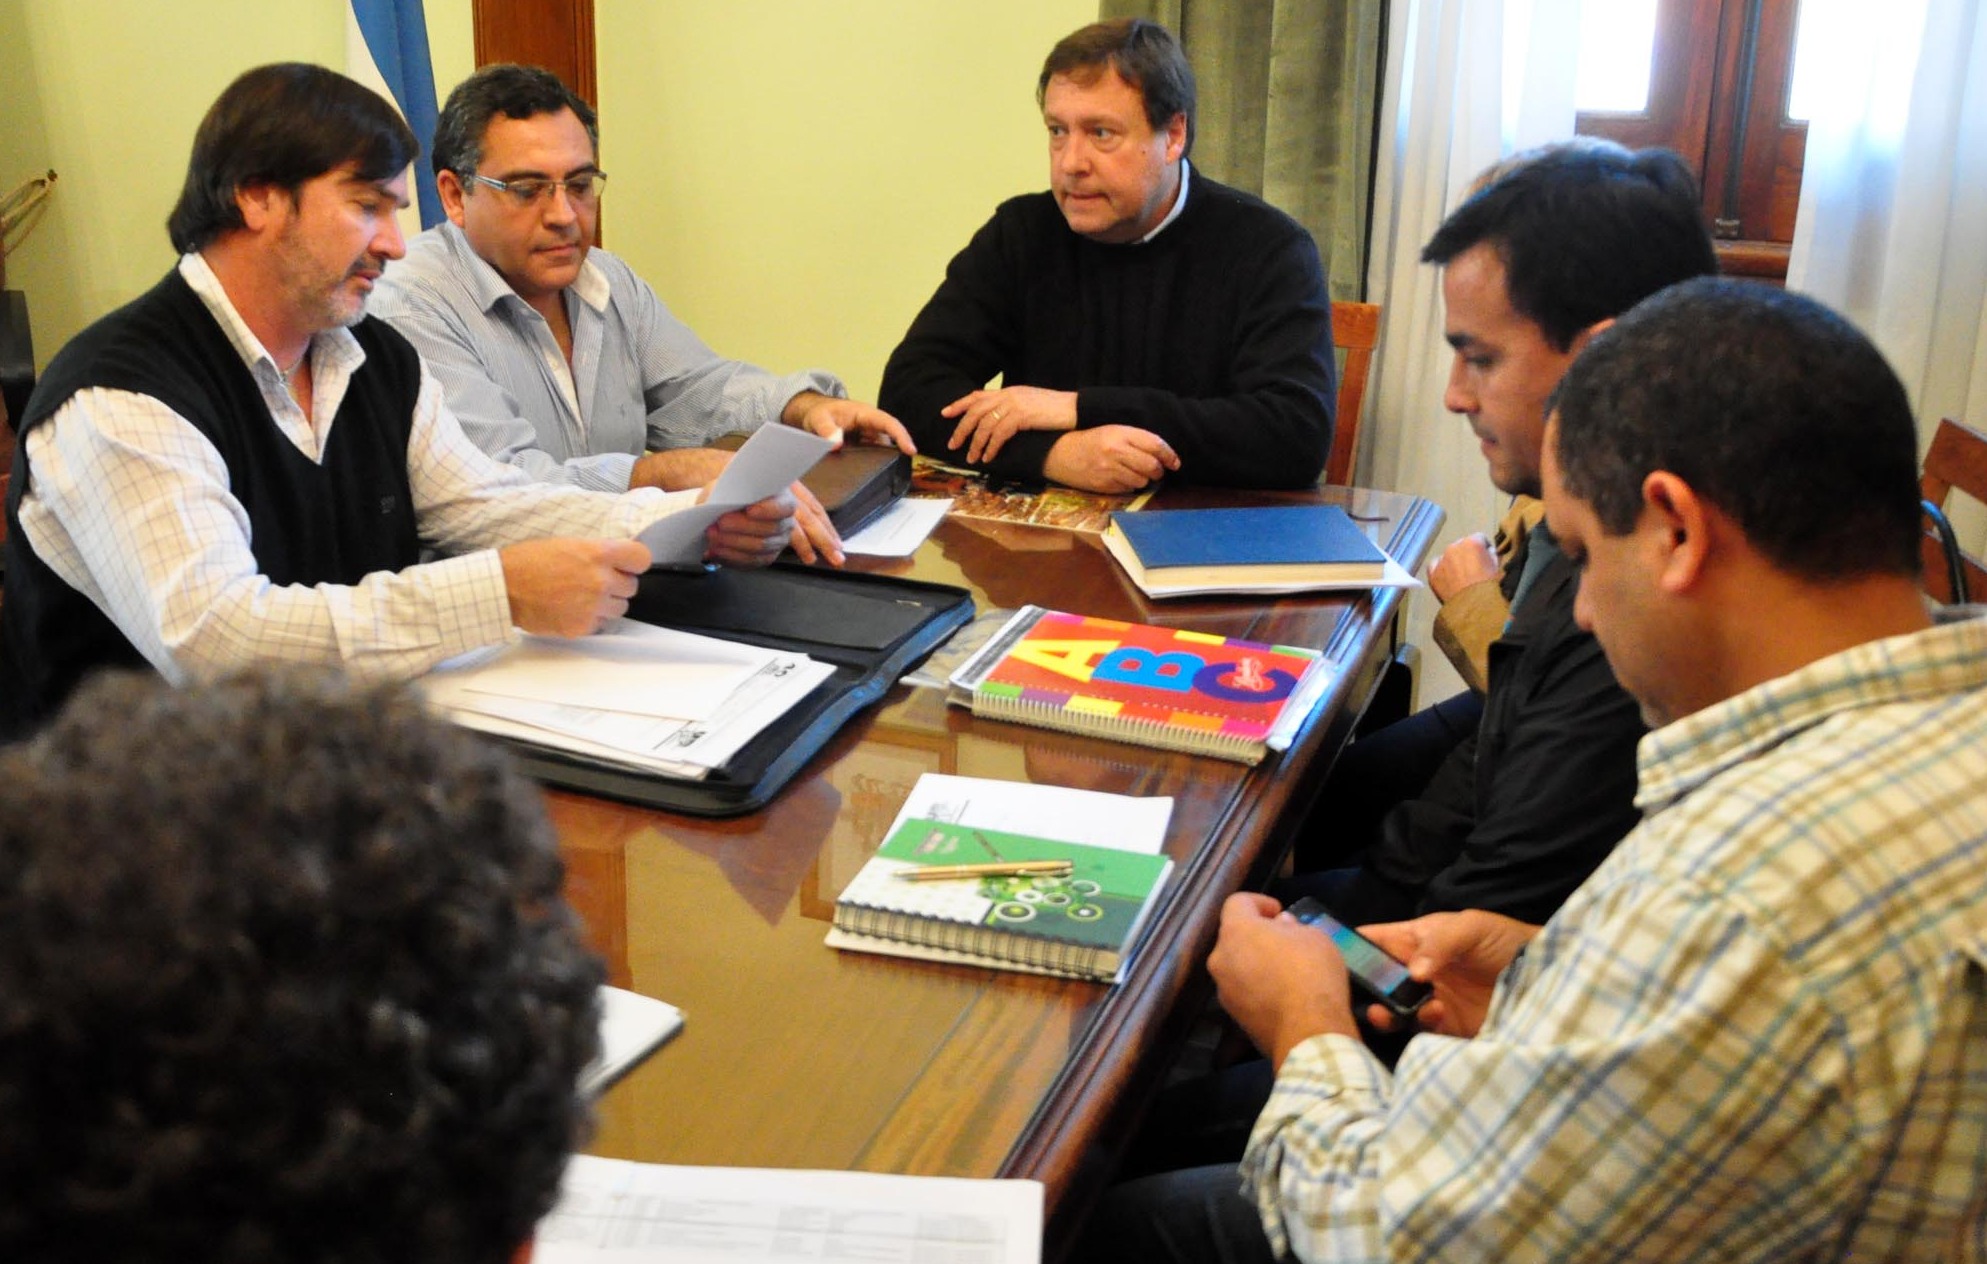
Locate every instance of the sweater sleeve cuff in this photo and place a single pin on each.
(1107, 406)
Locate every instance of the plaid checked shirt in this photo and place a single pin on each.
(131, 506)
(1757, 1032)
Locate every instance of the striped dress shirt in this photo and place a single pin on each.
(1757, 1032)
(639, 378)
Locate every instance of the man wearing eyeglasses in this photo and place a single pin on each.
(241, 467)
(557, 358)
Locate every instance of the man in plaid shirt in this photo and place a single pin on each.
(1759, 1030)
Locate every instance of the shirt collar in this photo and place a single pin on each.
(488, 287)
(1678, 758)
(1179, 204)
(199, 276)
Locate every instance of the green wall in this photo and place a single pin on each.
(108, 93)
(791, 175)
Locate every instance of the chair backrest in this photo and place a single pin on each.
(1356, 331)
(1958, 458)
(6, 468)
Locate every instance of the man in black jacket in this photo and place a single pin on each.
(1143, 319)
(1518, 811)
(1548, 250)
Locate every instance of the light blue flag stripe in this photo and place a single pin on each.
(396, 34)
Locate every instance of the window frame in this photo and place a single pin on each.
(1719, 78)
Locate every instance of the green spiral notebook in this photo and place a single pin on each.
(1083, 924)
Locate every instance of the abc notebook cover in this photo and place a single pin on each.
(1082, 924)
(1164, 687)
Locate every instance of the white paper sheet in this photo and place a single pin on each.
(646, 1213)
(900, 529)
(627, 666)
(770, 693)
(772, 459)
(1091, 817)
(631, 1026)
(673, 748)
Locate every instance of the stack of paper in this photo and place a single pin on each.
(649, 1213)
(646, 698)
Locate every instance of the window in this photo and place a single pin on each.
(1714, 80)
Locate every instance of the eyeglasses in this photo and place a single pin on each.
(581, 190)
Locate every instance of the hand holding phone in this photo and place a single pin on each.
(1380, 975)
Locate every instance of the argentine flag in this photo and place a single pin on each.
(386, 48)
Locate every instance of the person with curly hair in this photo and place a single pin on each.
(285, 975)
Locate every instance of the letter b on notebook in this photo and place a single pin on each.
(1130, 665)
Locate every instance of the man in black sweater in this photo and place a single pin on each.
(1143, 319)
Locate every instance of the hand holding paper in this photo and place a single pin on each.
(753, 536)
(773, 458)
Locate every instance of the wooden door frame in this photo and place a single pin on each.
(555, 34)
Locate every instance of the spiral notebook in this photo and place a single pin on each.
(1081, 924)
(1166, 687)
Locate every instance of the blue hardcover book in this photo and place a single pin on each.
(1284, 547)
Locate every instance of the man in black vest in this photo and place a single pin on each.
(241, 467)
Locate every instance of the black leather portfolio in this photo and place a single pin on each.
(854, 483)
(871, 628)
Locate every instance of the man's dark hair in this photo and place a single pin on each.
(1585, 229)
(1770, 406)
(505, 88)
(285, 974)
(283, 125)
(1144, 54)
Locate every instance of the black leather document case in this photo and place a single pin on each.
(854, 483)
(871, 628)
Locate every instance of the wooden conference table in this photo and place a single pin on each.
(796, 1055)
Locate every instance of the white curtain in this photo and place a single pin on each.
(1469, 82)
(1892, 229)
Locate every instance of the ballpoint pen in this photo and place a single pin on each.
(998, 869)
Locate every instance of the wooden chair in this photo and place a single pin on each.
(6, 468)
(1355, 330)
(1958, 458)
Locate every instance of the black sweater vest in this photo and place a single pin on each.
(332, 522)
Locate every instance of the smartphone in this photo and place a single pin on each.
(1379, 974)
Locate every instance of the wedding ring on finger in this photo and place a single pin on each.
(996, 414)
